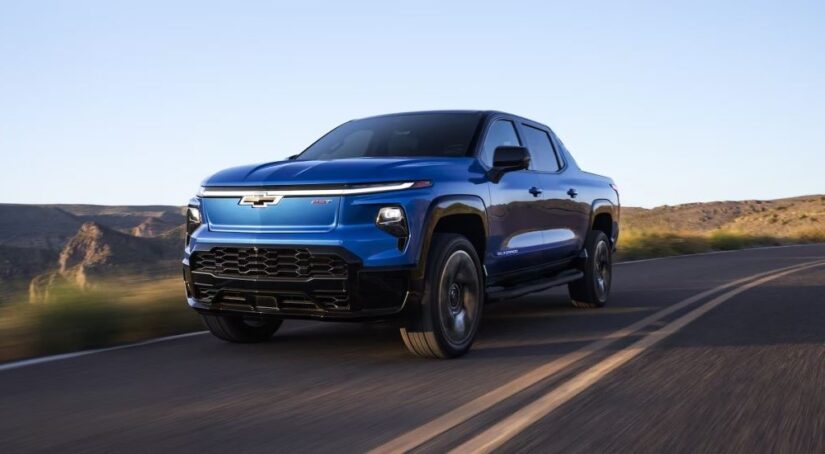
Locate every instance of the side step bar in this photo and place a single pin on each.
(502, 293)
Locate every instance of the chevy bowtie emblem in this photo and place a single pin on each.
(260, 201)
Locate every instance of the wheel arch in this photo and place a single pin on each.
(462, 214)
(604, 216)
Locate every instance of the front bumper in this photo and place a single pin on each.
(353, 293)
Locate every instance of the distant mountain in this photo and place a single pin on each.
(50, 226)
(158, 218)
(36, 226)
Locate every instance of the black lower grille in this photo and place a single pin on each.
(285, 263)
(264, 300)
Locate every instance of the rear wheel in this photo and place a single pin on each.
(593, 289)
(241, 329)
(445, 323)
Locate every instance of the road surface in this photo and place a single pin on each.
(705, 353)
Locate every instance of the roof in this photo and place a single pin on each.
(485, 113)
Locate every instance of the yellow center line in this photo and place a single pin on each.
(461, 414)
(514, 424)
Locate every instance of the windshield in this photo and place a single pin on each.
(405, 135)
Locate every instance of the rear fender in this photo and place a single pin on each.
(605, 206)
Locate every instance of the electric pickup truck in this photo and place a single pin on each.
(424, 217)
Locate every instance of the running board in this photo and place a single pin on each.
(501, 293)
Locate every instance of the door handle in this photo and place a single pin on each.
(535, 191)
(572, 193)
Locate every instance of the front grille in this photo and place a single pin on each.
(268, 263)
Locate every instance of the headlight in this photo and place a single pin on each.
(393, 221)
(390, 214)
(193, 216)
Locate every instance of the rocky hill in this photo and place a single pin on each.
(96, 253)
(781, 217)
(155, 227)
(33, 238)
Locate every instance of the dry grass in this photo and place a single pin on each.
(782, 217)
(642, 244)
(111, 314)
(719, 226)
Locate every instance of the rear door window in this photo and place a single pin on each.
(541, 149)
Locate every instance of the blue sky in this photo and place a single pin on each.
(136, 102)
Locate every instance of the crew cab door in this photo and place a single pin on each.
(560, 212)
(516, 241)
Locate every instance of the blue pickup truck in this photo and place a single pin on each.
(422, 217)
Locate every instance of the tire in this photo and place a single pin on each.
(445, 323)
(240, 329)
(593, 289)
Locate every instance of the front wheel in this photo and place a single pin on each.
(445, 322)
(241, 329)
(593, 289)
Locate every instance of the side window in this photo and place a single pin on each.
(541, 149)
(501, 132)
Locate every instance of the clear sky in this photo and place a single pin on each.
(136, 102)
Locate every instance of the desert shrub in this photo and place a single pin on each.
(636, 245)
(722, 240)
(810, 236)
(75, 320)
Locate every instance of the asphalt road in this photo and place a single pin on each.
(736, 369)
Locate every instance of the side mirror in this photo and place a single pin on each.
(508, 159)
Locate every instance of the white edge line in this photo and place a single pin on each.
(654, 259)
(62, 356)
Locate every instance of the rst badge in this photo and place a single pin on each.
(260, 201)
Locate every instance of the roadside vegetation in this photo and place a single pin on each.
(720, 226)
(644, 244)
(110, 314)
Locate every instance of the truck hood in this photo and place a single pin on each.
(341, 171)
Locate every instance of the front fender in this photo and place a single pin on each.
(439, 209)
